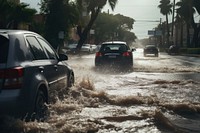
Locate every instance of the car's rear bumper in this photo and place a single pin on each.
(122, 62)
(13, 104)
(150, 52)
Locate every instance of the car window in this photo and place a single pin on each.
(4, 45)
(36, 48)
(49, 50)
(72, 45)
(113, 47)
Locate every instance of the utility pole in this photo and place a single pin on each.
(161, 36)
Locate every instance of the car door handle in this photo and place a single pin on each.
(41, 69)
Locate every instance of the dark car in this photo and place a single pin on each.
(150, 50)
(29, 70)
(85, 49)
(173, 49)
(71, 48)
(115, 53)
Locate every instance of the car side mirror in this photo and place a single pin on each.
(63, 57)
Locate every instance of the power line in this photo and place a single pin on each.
(147, 20)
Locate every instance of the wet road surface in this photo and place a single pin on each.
(159, 95)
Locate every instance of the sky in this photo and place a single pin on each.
(145, 13)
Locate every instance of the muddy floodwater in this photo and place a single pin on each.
(157, 96)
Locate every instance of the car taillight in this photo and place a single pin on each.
(127, 54)
(13, 77)
(98, 54)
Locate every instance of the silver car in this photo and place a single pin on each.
(86, 48)
(29, 69)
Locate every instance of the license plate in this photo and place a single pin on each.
(112, 56)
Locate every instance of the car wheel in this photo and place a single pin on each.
(97, 64)
(40, 110)
(156, 55)
(71, 80)
(130, 65)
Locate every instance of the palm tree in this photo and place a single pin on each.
(179, 22)
(94, 7)
(166, 9)
(186, 11)
(12, 14)
(196, 5)
(4, 9)
(20, 14)
(60, 15)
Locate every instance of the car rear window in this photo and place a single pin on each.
(4, 44)
(151, 46)
(114, 47)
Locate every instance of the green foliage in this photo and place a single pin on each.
(113, 27)
(183, 50)
(93, 7)
(165, 7)
(190, 50)
(186, 10)
(193, 50)
(44, 6)
(95, 4)
(4, 9)
(196, 4)
(12, 14)
(61, 15)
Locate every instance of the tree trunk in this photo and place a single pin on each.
(195, 38)
(173, 12)
(196, 33)
(167, 30)
(188, 36)
(181, 35)
(84, 34)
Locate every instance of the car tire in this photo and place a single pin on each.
(40, 111)
(129, 67)
(97, 65)
(156, 55)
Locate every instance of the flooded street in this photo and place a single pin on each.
(160, 95)
(100, 66)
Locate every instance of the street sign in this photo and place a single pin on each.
(158, 33)
(151, 32)
(155, 32)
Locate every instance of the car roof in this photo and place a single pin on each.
(114, 42)
(150, 45)
(10, 31)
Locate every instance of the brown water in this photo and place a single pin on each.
(106, 101)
